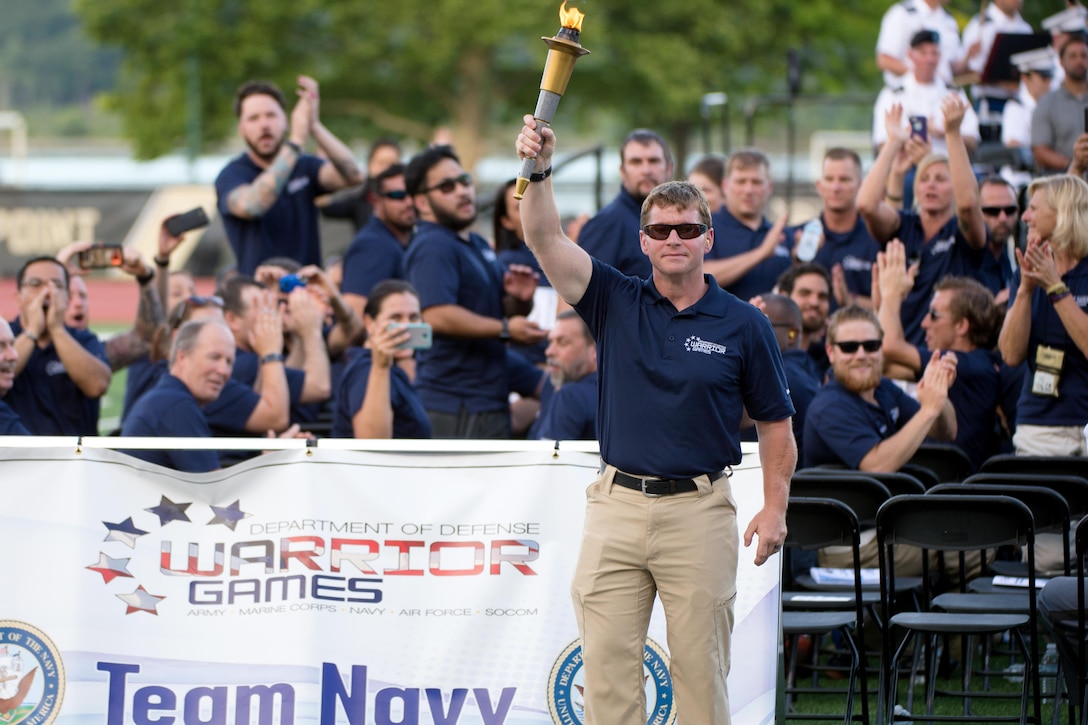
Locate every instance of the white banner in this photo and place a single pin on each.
(319, 586)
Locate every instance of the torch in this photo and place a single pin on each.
(563, 50)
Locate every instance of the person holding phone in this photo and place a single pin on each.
(920, 92)
(266, 195)
(376, 398)
(945, 232)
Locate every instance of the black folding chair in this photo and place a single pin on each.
(814, 523)
(953, 524)
(946, 460)
(1051, 515)
(1043, 465)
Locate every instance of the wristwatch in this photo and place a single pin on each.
(272, 357)
(505, 334)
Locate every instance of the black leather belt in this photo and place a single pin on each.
(662, 486)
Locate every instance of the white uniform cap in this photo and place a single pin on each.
(1040, 59)
(1070, 20)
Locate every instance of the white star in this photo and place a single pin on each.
(140, 601)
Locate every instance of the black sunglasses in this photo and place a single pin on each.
(447, 186)
(995, 210)
(684, 231)
(396, 195)
(186, 306)
(851, 346)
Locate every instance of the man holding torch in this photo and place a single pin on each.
(678, 358)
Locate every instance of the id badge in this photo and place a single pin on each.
(1048, 363)
(1044, 383)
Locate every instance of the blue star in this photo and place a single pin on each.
(168, 511)
(125, 532)
(229, 516)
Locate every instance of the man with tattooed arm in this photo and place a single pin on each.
(266, 195)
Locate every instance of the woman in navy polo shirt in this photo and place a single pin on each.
(1047, 321)
(375, 398)
(945, 232)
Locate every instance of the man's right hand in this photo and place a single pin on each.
(266, 337)
(938, 377)
(533, 144)
(896, 281)
(32, 315)
(525, 331)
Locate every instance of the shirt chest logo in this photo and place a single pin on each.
(697, 344)
(296, 185)
(943, 246)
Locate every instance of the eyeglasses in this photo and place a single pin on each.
(851, 346)
(447, 186)
(398, 194)
(684, 231)
(995, 210)
(185, 307)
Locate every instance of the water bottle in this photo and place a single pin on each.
(1048, 670)
(810, 240)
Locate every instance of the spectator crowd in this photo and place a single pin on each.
(945, 298)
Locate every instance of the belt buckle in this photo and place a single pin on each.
(646, 493)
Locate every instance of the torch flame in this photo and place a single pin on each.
(571, 18)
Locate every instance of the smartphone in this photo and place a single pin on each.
(919, 128)
(101, 256)
(192, 219)
(419, 335)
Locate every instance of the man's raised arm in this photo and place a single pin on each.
(565, 264)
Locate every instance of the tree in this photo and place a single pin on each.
(405, 67)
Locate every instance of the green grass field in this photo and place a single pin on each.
(943, 705)
(109, 417)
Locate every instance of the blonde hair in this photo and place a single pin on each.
(928, 160)
(1068, 196)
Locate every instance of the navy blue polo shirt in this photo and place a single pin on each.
(673, 383)
(733, 237)
(44, 396)
(804, 382)
(946, 252)
(409, 418)
(523, 255)
(141, 376)
(525, 378)
(227, 414)
(571, 413)
(842, 428)
(246, 366)
(1071, 405)
(975, 396)
(170, 410)
(375, 254)
(10, 424)
(456, 371)
(995, 273)
(612, 236)
(290, 226)
(856, 251)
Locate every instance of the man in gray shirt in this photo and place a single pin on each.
(1059, 117)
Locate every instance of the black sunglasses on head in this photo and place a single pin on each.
(684, 231)
(851, 346)
(183, 308)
